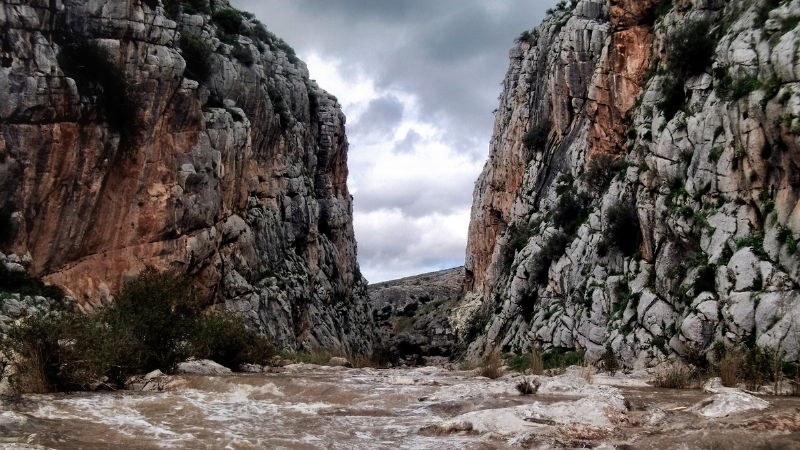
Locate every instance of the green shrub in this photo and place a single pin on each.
(552, 249)
(197, 55)
(609, 360)
(261, 33)
(690, 48)
(154, 323)
(601, 169)
(536, 136)
(55, 353)
(570, 212)
(525, 37)
(518, 236)
(744, 87)
(663, 9)
(660, 343)
(560, 357)
(243, 54)
(225, 339)
(622, 227)
(672, 97)
(755, 242)
(477, 322)
(157, 312)
(771, 89)
(172, 7)
(228, 20)
(786, 236)
(25, 284)
(531, 362)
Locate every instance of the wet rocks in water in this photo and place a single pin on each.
(727, 401)
(151, 382)
(528, 386)
(251, 368)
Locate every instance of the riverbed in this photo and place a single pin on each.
(316, 407)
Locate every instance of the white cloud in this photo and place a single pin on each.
(392, 245)
(418, 81)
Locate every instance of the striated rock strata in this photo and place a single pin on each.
(236, 176)
(654, 206)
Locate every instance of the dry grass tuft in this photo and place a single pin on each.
(673, 376)
(729, 368)
(492, 365)
(587, 373)
(528, 386)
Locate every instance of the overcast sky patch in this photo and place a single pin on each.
(418, 81)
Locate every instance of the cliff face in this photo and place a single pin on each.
(114, 155)
(639, 192)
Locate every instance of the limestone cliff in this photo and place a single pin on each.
(187, 137)
(642, 184)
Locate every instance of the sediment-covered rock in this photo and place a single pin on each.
(133, 137)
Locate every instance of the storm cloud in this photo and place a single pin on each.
(418, 81)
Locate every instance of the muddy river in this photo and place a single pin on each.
(313, 407)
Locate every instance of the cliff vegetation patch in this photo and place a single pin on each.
(96, 74)
(536, 136)
(690, 47)
(197, 54)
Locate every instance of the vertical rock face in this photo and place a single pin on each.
(637, 197)
(237, 177)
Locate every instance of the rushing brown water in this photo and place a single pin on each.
(324, 408)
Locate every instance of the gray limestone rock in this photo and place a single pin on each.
(712, 184)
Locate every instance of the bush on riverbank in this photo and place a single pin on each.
(154, 323)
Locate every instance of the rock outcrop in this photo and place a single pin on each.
(642, 184)
(413, 312)
(133, 137)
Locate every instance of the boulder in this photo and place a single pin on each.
(202, 367)
(337, 361)
(727, 401)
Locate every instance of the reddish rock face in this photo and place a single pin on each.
(613, 96)
(249, 197)
(620, 80)
(590, 72)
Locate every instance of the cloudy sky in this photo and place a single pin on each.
(418, 81)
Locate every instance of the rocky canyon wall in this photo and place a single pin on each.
(186, 138)
(642, 184)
